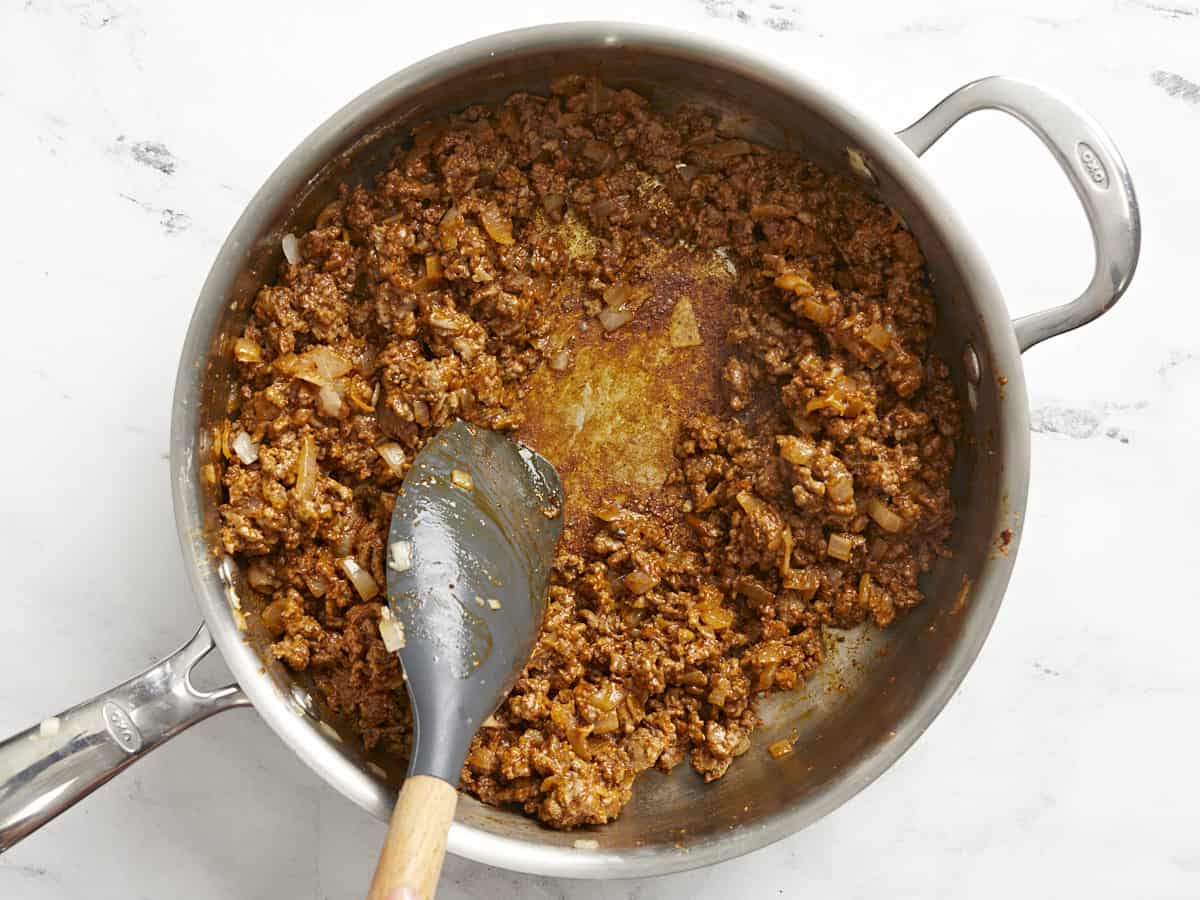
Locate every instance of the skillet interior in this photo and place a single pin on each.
(875, 683)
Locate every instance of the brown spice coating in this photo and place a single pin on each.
(810, 490)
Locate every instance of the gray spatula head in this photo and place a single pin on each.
(470, 551)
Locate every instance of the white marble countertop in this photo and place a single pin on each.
(135, 131)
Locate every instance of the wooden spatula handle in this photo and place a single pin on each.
(411, 859)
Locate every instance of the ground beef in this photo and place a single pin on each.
(789, 472)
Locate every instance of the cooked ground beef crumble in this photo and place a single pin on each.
(773, 457)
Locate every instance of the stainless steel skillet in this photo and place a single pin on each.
(846, 739)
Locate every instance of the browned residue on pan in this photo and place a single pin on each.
(609, 422)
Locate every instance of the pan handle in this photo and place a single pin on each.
(49, 767)
(1095, 169)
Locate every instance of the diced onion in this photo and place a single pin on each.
(493, 603)
(291, 248)
(884, 517)
(840, 546)
(607, 723)
(329, 401)
(362, 580)
(754, 591)
(609, 512)
(585, 844)
(878, 337)
(391, 630)
(717, 617)
(448, 228)
(612, 319)
(393, 455)
(560, 361)
(245, 448)
(491, 722)
(320, 366)
(796, 450)
(780, 748)
(306, 469)
(400, 556)
(261, 575)
(496, 224)
(462, 479)
(841, 487)
(328, 363)
(433, 268)
(797, 284)
(821, 313)
(639, 582)
(246, 351)
(805, 581)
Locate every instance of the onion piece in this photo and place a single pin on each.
(797, 284)
(821, 313)
(878, 337)
(363, 581)
(717, 617)
(327, 362)
(246, 351)
(329, 401)
(291, 248)
(796, 450)
(841, 487)
(320, 366)
(781, 748)
(391, 630)
(306, 469)
(606, 723)
(612, 319)
(560, 361)
(639, 582)
(400, 556)
(449, 227)
(840, 546)
(462, 479)
(496, 224)
(585, 844)
(805, 581)
(884, 517)
(393, 455)
(245, 448)
(493, 603)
